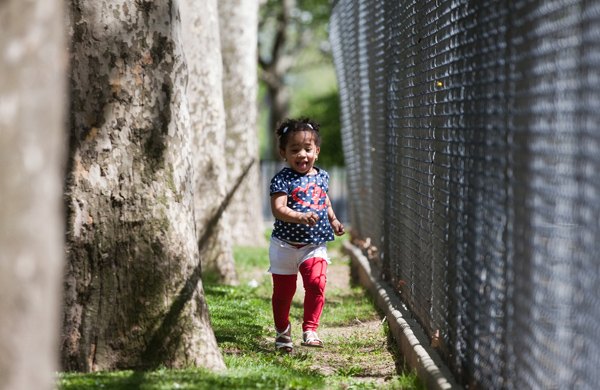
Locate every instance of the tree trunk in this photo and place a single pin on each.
(200, 22)
(133, 291)
(280, 109)
(32, 137)
(275, 68)
(238, 27)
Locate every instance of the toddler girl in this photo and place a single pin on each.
(304, 222)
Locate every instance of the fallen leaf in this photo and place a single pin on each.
(435, 341)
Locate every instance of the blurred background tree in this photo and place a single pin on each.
(296, 73)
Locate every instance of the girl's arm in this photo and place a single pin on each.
(337, 226)
(283, 213)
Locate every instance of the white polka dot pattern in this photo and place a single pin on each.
(304, 193)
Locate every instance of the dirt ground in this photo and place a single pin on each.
(374, 364)
(380, 369)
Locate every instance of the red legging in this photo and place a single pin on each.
(313, 273)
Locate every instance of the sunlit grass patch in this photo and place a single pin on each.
(238, 316)
(249, 258)
(344, 307)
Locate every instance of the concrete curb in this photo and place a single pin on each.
(409, 336)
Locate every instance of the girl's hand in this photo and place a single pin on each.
(338, 228)
(310, 218)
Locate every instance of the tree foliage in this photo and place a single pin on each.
(287, 27)
(293, 40)
(326, 110)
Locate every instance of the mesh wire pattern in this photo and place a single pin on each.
(470, 130)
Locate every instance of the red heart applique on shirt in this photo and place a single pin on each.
(317, 194)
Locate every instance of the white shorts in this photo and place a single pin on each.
(286, 259)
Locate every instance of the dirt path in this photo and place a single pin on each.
(358, 348)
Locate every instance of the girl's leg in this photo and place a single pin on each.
(284, 288)
(313, 273)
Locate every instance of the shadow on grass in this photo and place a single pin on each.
(121, 380)
(237, 315)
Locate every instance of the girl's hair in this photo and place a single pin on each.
(290, 126)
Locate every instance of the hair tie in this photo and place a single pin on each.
(309, 125)
(285, 129)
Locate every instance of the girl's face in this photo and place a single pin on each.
(301, 152)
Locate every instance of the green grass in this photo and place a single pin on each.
(242, 322)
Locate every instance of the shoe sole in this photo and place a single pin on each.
(312, 345)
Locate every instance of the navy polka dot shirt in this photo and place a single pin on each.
(304, 193)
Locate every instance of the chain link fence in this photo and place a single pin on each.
(472, 146)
